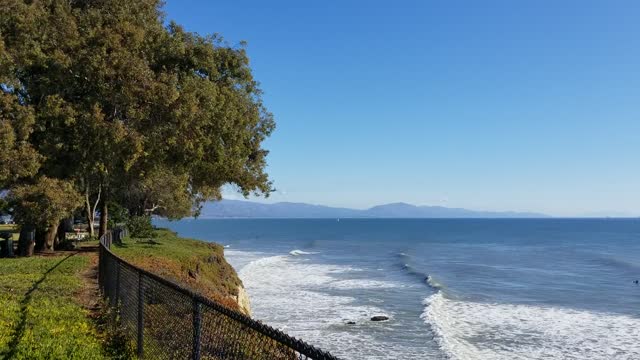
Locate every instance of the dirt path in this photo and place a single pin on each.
(89, 295)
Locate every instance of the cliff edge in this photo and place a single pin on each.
(195, 264)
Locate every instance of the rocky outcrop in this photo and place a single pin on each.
(243, 301)
(379, 318)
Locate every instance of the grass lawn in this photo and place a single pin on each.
(41, 314)
(40, 317)
(195, 264)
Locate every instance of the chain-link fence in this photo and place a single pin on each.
(168, 321)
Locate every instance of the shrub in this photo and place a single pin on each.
(140, 227)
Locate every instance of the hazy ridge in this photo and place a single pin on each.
(249, 209)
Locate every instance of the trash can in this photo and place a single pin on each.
(6, 246)
(9, 247)
(27, 241)
(118, 235)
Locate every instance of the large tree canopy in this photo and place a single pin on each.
(103, 94)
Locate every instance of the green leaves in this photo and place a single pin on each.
(45, 202)
(18, 158)
(105, 92)
(140, 227)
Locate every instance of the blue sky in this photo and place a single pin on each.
(496, 105)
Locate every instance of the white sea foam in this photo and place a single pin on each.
(470, 330)
(296, 296)
(364, 284)
(238, 259)
(300, 252)
(287, 291)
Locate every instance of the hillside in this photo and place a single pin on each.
(195, 264)
(249, 209)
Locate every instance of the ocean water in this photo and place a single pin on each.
(452, 288)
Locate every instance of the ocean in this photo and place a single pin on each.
(452, 288)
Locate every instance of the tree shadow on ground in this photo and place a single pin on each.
(20, 327)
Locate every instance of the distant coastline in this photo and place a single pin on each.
(247, 209)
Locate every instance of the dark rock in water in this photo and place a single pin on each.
(351, 322)
(379, 318)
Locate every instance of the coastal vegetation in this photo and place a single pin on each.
(107, 107)
(50, 304)
(110, 114)
(198, 265)
(41, 316)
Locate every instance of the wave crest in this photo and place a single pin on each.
(469, 330)
(297, 252)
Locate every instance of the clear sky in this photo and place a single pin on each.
(496, 105)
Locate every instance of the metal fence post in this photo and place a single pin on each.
(140, 316)
(100, 266)
(117, 296)
(197, 328)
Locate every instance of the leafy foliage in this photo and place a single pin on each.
(101, 98)
(161, 192)
(44, 203)
(118, 215)
(140, 227)
(104, 95)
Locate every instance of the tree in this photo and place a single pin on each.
(43, 205)
(18, 158)
(117, 98)
(159, 192)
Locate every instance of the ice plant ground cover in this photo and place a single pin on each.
(41, 316)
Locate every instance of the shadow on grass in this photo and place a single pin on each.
(87, 249)
(19, 331)
(146, 243)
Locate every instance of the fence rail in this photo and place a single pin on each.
(168, 321)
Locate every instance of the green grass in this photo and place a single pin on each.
(195, 264)
(39, 316)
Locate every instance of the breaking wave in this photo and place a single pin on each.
(423, 277)
(471, 330)
(307, 300)
(297, 252)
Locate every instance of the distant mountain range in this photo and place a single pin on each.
(249, 209)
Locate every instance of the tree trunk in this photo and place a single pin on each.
(50, 238)
(104, 214)
(27, 241)
(66, 226)
(90, 220)
(91, 211)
